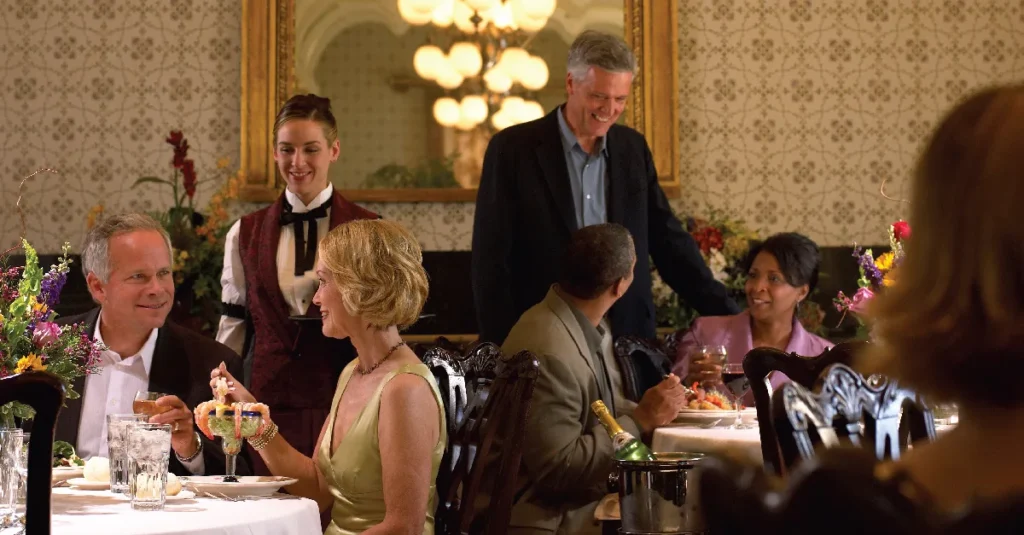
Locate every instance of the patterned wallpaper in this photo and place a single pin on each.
(93, 87)
(792, 111)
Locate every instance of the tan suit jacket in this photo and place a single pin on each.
(567, 454)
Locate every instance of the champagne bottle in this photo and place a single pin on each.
(627, 447)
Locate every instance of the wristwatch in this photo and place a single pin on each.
(199, 449)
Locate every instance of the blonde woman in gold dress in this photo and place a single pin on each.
(376, 461)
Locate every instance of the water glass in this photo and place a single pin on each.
(117, 437)
(10, 460)
(23, 469)
(149, 450)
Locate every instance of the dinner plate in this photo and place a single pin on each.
(246, 486)
(704, 417)
(63, 473)
(84, 484)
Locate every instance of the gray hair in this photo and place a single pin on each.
(597, 49)
(96, 249)
(596, 257)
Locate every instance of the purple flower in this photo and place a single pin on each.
(46, 333)
(867, 267)
(51, 286)
(860, 300)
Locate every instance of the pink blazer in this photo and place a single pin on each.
(734, 333)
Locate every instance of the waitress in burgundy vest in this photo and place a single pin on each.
(269, 282)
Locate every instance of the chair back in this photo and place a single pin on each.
(642, 362)
(493, 428)
(44, 392)
(760, 362)
(848, 409)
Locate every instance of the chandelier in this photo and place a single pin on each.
(480, 59)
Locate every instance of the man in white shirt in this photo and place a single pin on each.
(127, 263)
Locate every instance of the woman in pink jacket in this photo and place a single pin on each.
(781, 272)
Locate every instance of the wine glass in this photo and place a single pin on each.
(145, 403)
(232, 434)
(737, 383)
(713, 354)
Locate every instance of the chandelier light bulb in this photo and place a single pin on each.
(423, 6)
(512, 61)
(448, 77)
(530, 110)
(446, 111)
(510, 107)
(411, 15)
(497, 80)
(427, 61)
(501, 120)
(465, 124)
(534, 74)
(444, 14)
(501, 16)
(465, 58)
(462, 15)
(480, 5)
(523, 18)
(474, 108)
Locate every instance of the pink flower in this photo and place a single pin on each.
(46, 333)
(860, 300)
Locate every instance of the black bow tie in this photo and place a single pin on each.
(305, 243)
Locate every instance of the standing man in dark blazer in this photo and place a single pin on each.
(573, 168)
(127, 264)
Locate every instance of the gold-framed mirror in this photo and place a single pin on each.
(272, 29)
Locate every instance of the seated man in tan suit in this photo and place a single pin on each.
(567, 454)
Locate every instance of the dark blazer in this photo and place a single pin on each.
(182, 361)
(525, 215)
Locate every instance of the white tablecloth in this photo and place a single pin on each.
(713, 441)
(100, 512)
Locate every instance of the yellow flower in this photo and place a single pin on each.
(2, 319)
(884, 262)
(37, 307)
(889, 279)
(30, 362)
(223, 163)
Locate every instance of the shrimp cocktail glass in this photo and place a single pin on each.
(232, 422)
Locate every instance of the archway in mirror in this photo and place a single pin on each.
(359, 53)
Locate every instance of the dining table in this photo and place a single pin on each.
(76, 511)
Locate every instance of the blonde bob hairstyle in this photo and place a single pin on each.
(377, 266)
(952, 325)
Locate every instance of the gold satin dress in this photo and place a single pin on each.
(353, 473)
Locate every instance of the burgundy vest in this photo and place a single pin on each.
(294, 365)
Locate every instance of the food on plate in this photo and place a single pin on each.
(64, 455)
(97, 469)
(173, 485)
(709, 400)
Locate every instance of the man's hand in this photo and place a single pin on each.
(660, 404)
(182, 430)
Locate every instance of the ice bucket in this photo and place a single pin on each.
(658, 496)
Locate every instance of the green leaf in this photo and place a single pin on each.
(152, 179)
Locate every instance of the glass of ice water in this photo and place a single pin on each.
(149, 450)
(10, 462)
(117, 436)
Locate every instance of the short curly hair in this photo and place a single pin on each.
(377, 266)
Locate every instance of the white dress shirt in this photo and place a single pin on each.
(297, 290)
(112, 391)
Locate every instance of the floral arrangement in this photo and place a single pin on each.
(197, 237)
(724, 243)
(876, 274)
(29, 338)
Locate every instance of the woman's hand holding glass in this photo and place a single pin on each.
(706, 365)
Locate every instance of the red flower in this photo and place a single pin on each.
(180, 144)
(708, 238)
(188, 177)
(901, 230)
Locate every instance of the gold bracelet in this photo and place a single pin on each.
(261, 441)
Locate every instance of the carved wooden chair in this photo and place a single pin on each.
(642, 363)
(489, 437)
(837, 493)
(803, 370)
(44, 393)
(847, 409)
